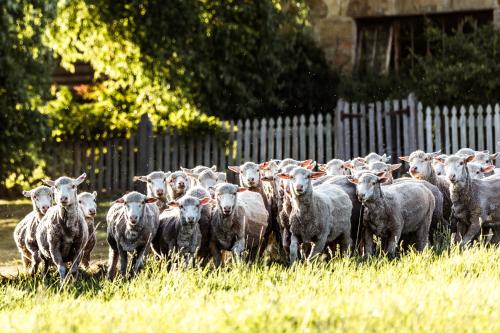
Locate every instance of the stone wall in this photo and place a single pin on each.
(334, 22)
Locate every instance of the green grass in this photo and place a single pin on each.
(452, 292)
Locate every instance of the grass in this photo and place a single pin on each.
(454, 291)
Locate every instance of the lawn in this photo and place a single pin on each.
(453, 292)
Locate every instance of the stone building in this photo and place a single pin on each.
(378, 34)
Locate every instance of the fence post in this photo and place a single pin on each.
(337, 129)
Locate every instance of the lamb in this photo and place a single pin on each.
(204, 221)
(374, 157)
(133, 222)
(478, 170)
(156, 186)
(334, 167)
(485, 158)
(179, 230)
(394, 211)
(357, 164)
(421, 168)
(25, 231)
(238, 221)
(206, 178)
(88, 205)
(62, 233)
(388, 169)
(198, 169)
(178, 184)
(475, 201)
(320, 215)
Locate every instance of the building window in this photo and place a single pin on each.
(382, 43)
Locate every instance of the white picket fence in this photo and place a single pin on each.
(395, 127)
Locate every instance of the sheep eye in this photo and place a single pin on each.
(181, 206)
(79, 201)
(149, 181)
(461, 163)
(73, 186)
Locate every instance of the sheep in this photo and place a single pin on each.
(320, 215)
(206, 178)
(421, 168)
(133, 222)
(238, 221)
(156, 186)
(25, 231)
(199, 168)
(377, 167)
(374, 157)
(438, 220)
(334, 167)
(178, 184)
(475, 201)
(221, 177)
(439, 167)
(478, 170)
(394, 211)
(62, 233)
(204, 221)
(291, 161)
(357, 164)
(466, 152)
(179, 230)
(485, 158)
(88, 205)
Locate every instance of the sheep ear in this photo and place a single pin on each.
(405, 158)
(94, 194)
(234, 168)
(494, 156)
(380, 174)
(353, 180)
(322, 167)
(80, 179)
(140, 179)
(204, 201)
(266, 178)
(311, 165)
(119, 200)
(27, 194)
(150, 200)
(264, 166)
(487, 168)
(49, 182)
(241, 189)
(305, 163)
(394, 167)
(172, 204)
(439, 159)
(283, 175)
(316, 175)
(434, 154)
(469, 158)
(383, 179)
(214, 168)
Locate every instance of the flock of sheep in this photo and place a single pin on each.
(309, 209)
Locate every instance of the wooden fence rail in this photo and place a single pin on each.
(395, 127)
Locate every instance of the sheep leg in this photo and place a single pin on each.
(238, 248)
(123, 262)
(77, 259)
(35, 263)
(112, 262)
(56, 256)
(496, 235)
(368, 238)
(138, 262)
(472, 232)
(345, 243)
(286, 240)
(294, 248)
(214, 250)
(86, 260)
(319, 246)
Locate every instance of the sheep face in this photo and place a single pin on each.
(156, 183)
(386, 169)
(485, 158)
(225, 194)
(456, 168)
(300, 180)
(134, 205)
(249, 173)
(358, 164)
(87, 203)
(478, 171)
(178, 182)
(221, 177)
(374, 157)
(207, 178)
(368, 186)
(335, 167)
(438, 166)
(41, 197)
(420, 164)
(65, 189)
(190, 208)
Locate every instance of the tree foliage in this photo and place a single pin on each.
(25, 74)
(186, 63)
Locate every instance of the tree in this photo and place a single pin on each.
(25, 68)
